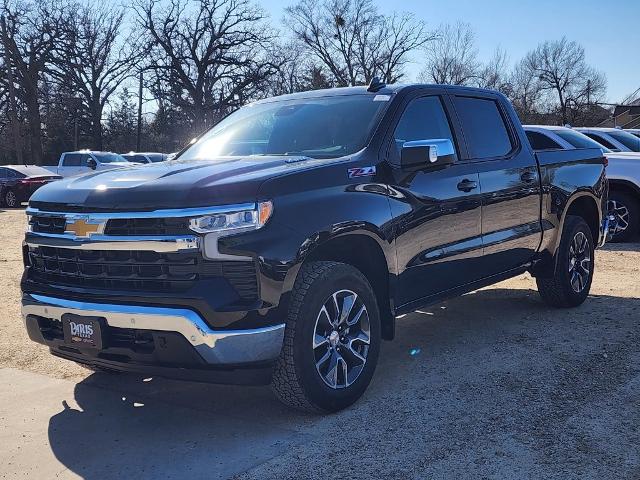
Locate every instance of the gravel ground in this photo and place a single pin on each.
(490, 385)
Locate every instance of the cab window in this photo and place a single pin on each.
(423, 119)
(540, 141)
(72, 160)
(484, 127)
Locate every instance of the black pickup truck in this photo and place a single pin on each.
(281, 246)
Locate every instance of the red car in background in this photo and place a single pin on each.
(18, 182)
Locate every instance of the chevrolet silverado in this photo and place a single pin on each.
(281, 246)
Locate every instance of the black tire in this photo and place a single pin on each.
(10, 199)
(559, 291)
(625, 207)
(297, 380)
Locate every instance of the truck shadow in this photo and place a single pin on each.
(434, 373)
(623, 247)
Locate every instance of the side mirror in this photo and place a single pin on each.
(427, 153)
(91, 163)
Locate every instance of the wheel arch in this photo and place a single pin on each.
(624, 186)
(587, 207)
(363, 251)
(582, 204)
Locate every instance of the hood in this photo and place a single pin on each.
(170, 184)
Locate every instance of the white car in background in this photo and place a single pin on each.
(615, 139)
(85, 161)
(623, 173)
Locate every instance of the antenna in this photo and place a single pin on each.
(376, 85)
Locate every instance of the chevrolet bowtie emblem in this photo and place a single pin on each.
(82, 227)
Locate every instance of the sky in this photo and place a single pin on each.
(608, 31)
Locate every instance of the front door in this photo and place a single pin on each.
(436, 210)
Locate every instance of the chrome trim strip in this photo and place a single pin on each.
(215, 346)
(172, 213)
(112, 242)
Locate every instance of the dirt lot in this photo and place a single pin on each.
(490, 385)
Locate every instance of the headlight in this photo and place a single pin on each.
(233, 221)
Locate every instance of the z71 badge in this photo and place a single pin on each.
(362, 172)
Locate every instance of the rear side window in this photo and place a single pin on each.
(484, 128)
(580, 140)
(423, 119)
(602, 141)
(540, 141)
(72, 160)
(628, 140)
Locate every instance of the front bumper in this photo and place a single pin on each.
(213, 349)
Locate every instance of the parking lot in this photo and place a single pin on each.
(491, 384)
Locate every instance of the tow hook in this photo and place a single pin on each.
(608, 227)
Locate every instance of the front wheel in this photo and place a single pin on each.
(573, 274)
(332, 339)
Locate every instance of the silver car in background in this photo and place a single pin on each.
(615, 139)
(623, 173)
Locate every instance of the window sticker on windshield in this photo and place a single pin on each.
(381, 98)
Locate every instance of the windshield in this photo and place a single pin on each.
(579, 140)
(324, 127)
(628, 140)
(107, 157)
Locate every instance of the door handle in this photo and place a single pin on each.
(467, 185)
(528, 177)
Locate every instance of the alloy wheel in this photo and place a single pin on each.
(342, 335)
(10, 199)
(621, 212)
(579, 262)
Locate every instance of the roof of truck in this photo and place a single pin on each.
(364, 90)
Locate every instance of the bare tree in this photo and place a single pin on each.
(524, 92)
(353, 41)
(97, 58)
(34, 30)
(452, 58)
(562, 71)
(211, 57)
(494, 73)
(297, 72)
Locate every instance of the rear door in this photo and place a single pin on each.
(436, 210)
(509, 182)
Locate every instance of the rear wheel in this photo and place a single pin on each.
(571, 282)
(332, 339)
(627, 214)
(10, 199)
